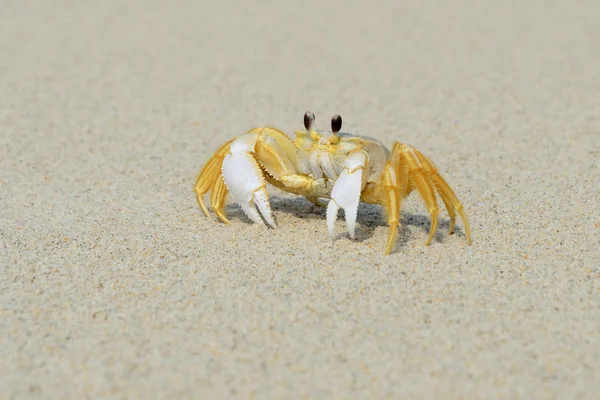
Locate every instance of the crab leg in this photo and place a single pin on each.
(395, 183)
(217, 198)
(423, 185)
(446, 191)
(346, 192)
(450, 200)
(209, 175)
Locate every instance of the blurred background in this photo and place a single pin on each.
(113, 283)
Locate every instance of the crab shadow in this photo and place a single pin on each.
(369, 217)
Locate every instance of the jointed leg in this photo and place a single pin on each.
(395, 183)
(389, 192)
(452, 203)
(392, 207)
(318, 201)
(209, 175)
(450, 209)
(406, 169)
(217, 199)
(424, 186)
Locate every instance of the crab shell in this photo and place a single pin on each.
(318, 157)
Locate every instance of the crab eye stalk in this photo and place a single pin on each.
(309, 120)
(336, 123)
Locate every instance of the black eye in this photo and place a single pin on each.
(336, 123)
(309, 119)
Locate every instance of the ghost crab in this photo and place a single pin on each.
(330, 168)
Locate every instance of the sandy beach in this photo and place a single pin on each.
(114, 284)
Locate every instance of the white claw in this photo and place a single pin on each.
(251, 212)
(332, 211)
(346, 192)
(261, 200)
(350, 214)
(245, 181)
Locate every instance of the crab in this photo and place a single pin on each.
(331, 169)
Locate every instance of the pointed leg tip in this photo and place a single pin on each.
(452, 225)
(429, 239)
(203, 207)
(391, 238)
(432, 231)
(223, 218)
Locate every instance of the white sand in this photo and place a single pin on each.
(114, 284)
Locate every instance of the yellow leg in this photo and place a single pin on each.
(428, 194)
(392, 205)
(209, 175)
(316, 201)
(395, 183)
(424, 186)
(452, 203)
(217, 199)
(451, 212)
(407, 169)
(445, 188)
(389, 192)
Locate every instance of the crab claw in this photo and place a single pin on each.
(346, 192)
(245, 181)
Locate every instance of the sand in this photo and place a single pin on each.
(114, 284)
